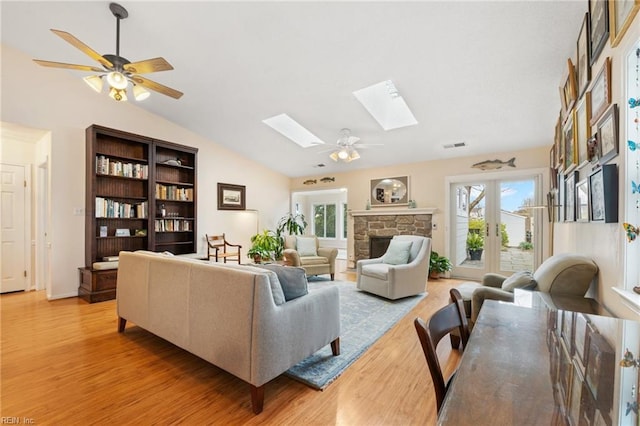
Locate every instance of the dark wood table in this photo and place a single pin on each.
(540, 366)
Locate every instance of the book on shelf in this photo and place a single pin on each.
(121, 210)
(110, 258)
(173, 192)
(110, 167)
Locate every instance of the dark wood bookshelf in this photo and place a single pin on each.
(122, 170)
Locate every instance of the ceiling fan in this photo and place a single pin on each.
(346, 150)
(119, 71)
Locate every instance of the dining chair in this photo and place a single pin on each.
(442, 322)
(217, 249)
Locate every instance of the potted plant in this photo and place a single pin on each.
(264, 246)
(294, 224)
(438, 265)
(475, 245)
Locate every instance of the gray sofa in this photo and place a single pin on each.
(226, 314)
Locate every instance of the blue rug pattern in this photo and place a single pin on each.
(364, 318)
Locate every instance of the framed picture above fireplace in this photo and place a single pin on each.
(392, 191)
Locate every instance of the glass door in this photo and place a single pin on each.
(493, 226)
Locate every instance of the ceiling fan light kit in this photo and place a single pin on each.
(119, 71)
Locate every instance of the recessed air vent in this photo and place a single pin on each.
(454, 145)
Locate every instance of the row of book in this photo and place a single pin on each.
(107, 166)
(173, 192)
(117, 209)
(172, 225)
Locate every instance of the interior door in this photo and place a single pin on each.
(12, 228)
(493, 226)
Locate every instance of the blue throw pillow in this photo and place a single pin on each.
(292, 279)
(397, 252)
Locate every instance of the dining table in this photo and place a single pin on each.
(534, 364)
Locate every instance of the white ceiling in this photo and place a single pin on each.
(486, 73)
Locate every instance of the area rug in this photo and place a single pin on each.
(364, 318)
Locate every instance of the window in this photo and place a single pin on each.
(324, 220)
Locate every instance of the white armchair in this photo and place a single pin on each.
(383, 277)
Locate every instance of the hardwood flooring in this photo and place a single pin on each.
(63, 362)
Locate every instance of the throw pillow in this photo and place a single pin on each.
(523, 280)
(397, 252)
(292, 279)
(306, 246)
(276, 287)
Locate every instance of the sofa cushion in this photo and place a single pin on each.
(376, 270)
(292, 279)
(274, 282)
(306, 246)
(522, 279)
(314, 260)
(397, 252)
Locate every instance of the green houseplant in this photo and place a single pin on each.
(475, 245)
(438, 265)
(264, 246)
(289, 224)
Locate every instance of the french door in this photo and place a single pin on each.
(494, 225)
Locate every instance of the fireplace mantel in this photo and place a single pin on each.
(383, 211)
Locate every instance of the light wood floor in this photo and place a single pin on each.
(64, 363)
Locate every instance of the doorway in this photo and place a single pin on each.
(494, 224)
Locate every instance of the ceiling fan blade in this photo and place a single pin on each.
(82, 47)
(68, 66)
(148, 65)
(149, 84)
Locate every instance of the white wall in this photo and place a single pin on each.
(515, 227)
(606, 243)
(31, 96)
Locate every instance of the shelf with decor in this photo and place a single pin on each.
(123, 173)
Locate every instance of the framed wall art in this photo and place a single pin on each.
(601, 92)
(231, 197)
(582, 201)
(621, 14)
(603, 194)
(582, 128)
(570, 197)
(608, 134)
(593, 149)
(568, 90)
(559, 156)
(583, 68)
(570, 149)
(598, 28)
(600, 370)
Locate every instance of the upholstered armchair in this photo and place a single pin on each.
(402, 271)
(305, 252)
(565, 275)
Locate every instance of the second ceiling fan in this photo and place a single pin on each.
(117, 70)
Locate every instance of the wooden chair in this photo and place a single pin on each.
(440, 324)
(217, 248)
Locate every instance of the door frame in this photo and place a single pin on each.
(541, 175)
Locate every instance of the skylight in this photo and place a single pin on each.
(290, 128)
(384, 103)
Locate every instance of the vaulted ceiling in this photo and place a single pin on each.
(481, 72)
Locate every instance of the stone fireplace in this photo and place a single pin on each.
(369, 225)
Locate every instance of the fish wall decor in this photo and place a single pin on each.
(310, 182)
(494, 164)
(328, 179)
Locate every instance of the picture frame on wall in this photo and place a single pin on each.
(583, 68)
(568, 90)
(600, 369)
(560, 198)
(621, 14)
(582, 201)
(558, 144)
(603, 194)
(582, 128)
(598, 28)
(231, 197)
(593, 148)
(601, 92)
(608, 134)
(570, 149)
(570, 196)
